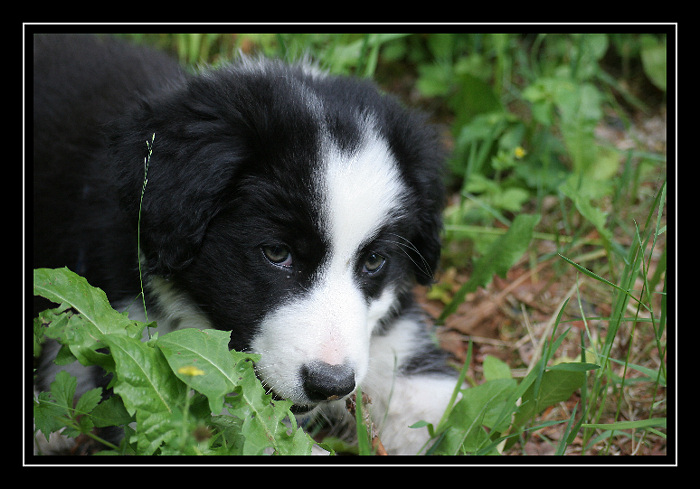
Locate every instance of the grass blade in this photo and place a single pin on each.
(628, 425)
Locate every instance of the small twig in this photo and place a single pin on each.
(351, 406)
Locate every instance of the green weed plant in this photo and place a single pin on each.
(187, 393)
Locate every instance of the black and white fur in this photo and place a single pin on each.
(293, 208)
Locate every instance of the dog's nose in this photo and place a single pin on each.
(326, 382)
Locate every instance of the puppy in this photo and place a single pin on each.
(293, 208)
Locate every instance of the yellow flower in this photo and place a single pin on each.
(190, 370)
(520, 152)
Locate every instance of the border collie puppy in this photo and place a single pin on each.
(293, 208)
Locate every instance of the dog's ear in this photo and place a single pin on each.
(172, 161)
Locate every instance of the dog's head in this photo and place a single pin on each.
(293, 208)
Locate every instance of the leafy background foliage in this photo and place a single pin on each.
(552, 290)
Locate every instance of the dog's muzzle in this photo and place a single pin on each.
(323, 382)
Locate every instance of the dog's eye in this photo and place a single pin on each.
(374, 263)
(278, 255)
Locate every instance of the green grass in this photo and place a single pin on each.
(536, 187)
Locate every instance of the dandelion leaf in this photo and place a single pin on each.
(264, 424)
(147, 387)
(86, 315)
(203, 361)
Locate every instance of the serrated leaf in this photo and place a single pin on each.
(145, 380)
(82, 332)
(88, 401)
(48, 416)
(41, 321)
(206, 354)
(228, 372)
(62, 286)
(63, 389)
(55, 410)
(154, 430)
(111, 412)
(263, 420)
(229, 428)
(148, 388)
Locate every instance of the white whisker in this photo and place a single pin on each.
(423, 267)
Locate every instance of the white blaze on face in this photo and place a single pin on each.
(363, 191)
(333, 322)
